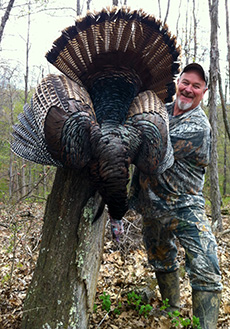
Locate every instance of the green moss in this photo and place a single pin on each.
(73, 317)
(88, 213)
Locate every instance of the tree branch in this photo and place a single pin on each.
(5, 18)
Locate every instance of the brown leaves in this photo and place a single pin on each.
(19, 239)
(124, 269)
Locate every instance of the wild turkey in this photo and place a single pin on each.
(107, 109)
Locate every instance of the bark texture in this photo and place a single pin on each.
(63, 287)
(214, 60)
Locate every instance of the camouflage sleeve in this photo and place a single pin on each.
(192, 141)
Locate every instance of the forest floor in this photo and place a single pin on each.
(123, 274)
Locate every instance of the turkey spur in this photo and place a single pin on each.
(106, 110)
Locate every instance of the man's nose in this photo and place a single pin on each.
(188, 88)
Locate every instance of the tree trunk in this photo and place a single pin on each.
(11, 174)
(159, 8)
(187, 33)
(228, 42)
(88, 3)
(223, 105)
(26, 79)
(5, 18)
(78, 8)
(225, 165)
(63, 287)
(44, 184)
(178, 18)
(167, 12)
(194, 30)
(214, 60)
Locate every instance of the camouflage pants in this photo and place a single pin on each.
(191, 227)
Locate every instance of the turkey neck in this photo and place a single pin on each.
(112, 94)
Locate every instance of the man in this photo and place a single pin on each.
(172, 204)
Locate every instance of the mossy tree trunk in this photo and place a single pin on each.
(63, 287)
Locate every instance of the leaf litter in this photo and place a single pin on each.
(124, 269)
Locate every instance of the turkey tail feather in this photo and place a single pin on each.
(28, 141)
(147, 118)
(119, 38)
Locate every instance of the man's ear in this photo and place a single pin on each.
(205, 89)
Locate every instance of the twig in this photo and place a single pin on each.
(103, 319)
(4, 225)
(224, 232)
(21, 312)
(131, 224)
(35, 186)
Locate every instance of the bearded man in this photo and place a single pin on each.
(172, 204)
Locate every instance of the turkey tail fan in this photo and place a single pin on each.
(118, 39)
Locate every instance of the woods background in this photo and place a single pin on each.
(22, 68)
(27, 31)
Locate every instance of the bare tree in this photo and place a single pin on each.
(178, 19)
(78, 7)
(223, 104)
(224, 99)
(225, 165)
(214, 68)
(26, 77)
(187, 43)
(5, 18)
(194, 29)
(167, 12)
(11, 174)
(26, 92)
(88, 2)
(9, 96)
(227, 129)
(228, 41)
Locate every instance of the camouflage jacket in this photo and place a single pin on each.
(181, 185)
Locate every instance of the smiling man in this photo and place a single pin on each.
(191, 88)
(172, 204)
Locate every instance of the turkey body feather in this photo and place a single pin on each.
(107, 109)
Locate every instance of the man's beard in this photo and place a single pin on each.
(184, 106)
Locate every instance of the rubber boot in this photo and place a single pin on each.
(206, 307)
(169, 284)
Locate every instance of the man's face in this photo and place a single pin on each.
(190, 90)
